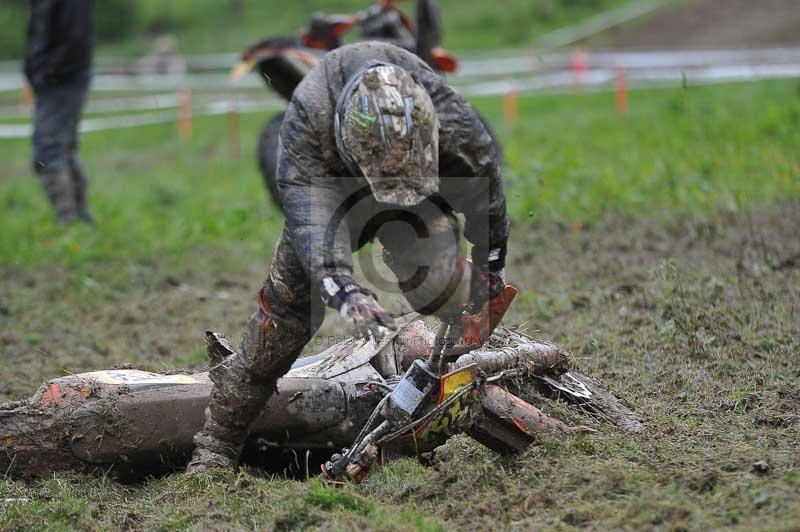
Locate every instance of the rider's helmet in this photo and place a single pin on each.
(387, 131)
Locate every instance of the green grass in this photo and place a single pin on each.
(698, 150)
(212, 26)
(572, 159)
(228, 500)
(157, 196)
(657, 246)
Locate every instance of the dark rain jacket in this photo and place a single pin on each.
(60, 42)
(328, 215)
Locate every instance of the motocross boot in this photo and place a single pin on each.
(243, 383)
(59, 189)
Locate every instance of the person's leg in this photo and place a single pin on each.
(289, 313)
(58, 187)
(78, 174)
(80, 182)
(56, 117)
(51, 148)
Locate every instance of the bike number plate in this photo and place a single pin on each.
(437, 429)
(453, 382)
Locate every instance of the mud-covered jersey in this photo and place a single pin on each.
(329, 211)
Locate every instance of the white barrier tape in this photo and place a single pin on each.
(155, 101)
(566, 81)
(519, 63)
(12, 131)
(563, 80)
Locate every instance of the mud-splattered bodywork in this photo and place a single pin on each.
(147, 420)
(132, 420)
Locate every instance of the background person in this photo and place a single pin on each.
(58, 64)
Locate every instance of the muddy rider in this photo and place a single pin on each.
(374, 145)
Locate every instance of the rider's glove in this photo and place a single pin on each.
(366, 315)
(484, 285)
(488, 275)
(356, 305)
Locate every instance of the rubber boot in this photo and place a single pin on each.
(243, 383)
(59, 189)
(235, 403)
(80, 182)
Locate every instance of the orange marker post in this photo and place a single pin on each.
(580, 65)
(511, 107)
(25, 96)
(185, 114)
(622, 91)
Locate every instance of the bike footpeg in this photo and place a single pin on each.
(339, 467)
(359, 469)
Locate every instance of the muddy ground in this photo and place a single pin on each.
(711, 24)
(696, 323)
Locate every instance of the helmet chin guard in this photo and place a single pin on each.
(387, 131)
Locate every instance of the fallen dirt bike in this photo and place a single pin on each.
(136, 423)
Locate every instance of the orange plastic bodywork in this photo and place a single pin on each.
(445, 61)
(263, 304)
(476, 328)
(316, 44)
(524, 416)
(57, 395)
(340, 28)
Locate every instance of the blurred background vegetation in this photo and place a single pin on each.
(128, 26)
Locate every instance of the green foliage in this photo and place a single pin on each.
(331, 498)
(509, 23)
(696, 150)
(14, 18)
(225, 500)
(215, 25)
(114, 20)
(147, 196)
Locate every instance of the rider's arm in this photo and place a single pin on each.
(471, 178)
(312, 200)
(316, 206)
